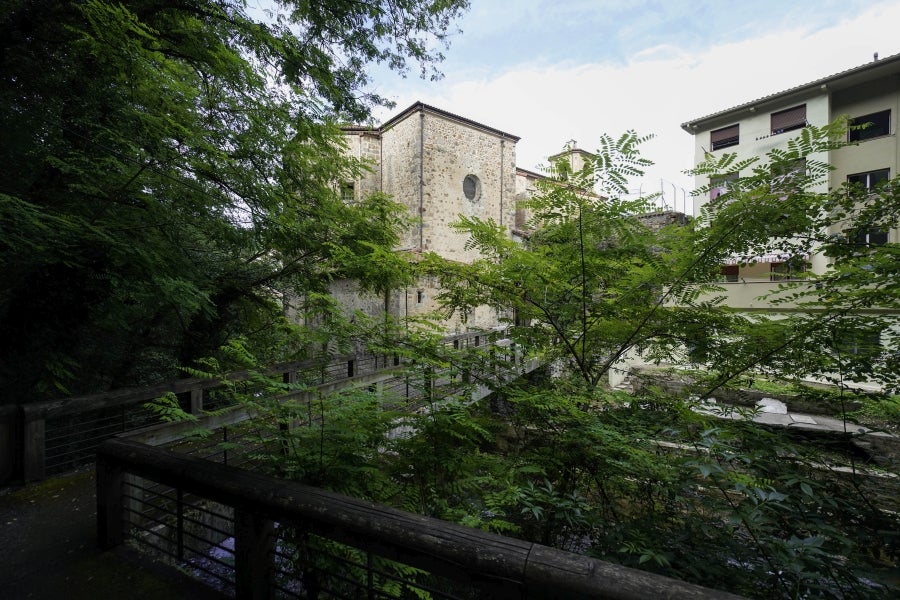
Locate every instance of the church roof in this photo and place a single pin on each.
(427, 108)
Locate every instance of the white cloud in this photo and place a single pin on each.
(655, 91)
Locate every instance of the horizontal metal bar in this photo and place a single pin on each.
(99, 434)
(206, 556)
(147, 531)
(210, 544)
(148, 517)
(222, 532)
(215, 574)
(284, 590)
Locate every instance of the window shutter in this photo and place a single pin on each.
(722, 138)
(792, 118)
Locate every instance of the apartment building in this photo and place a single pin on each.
(867, 94)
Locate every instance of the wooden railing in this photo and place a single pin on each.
(258, 537)
(50, 437)
(46, 438)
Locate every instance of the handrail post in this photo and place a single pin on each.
(33, 443)
(196, 400)
(254, 541)
(110, 505)
(7, 443)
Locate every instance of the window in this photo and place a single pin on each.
(721, 184)
(730, 272)
(521, 217)
(420, 296)
(858, 342)
(725, 137)
(866, 182)
(789, 178)
(348, 193)
(869, 179)
(871, 237)
(788, 270)
(472, 188)
(788, 120)
(878, 124)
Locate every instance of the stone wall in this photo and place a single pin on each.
(423, 158)
(453, 152)
(526, 188)
(369, 151)
(401, 171)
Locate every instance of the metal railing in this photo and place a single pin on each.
(46, 438)
(254, 536)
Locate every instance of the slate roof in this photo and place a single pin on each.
(416, 107)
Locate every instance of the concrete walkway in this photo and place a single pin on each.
(775, 412)
(48, 537)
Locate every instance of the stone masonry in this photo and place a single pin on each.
(441, 166)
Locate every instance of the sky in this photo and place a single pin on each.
(550, 71)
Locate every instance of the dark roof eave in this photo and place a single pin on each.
(527, 173)
(885, 66)
(421, 106)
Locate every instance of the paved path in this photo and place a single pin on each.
(775, 412)
(49, 551)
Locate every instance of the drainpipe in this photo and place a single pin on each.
(358, 179)
(421, 180)
(502, 144)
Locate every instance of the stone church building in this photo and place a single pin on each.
(440, 165)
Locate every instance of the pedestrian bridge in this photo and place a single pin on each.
(206, 510)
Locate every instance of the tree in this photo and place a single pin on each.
(648, 479)
(594, 280)
(652, 479)
(170, 174)
(775, 209)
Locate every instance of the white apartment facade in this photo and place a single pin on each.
(867, 94)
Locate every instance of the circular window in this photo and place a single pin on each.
(472, 188)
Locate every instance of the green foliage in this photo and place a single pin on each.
(171, 177)
(343, 570)
(642, 479)
(587, 283)
(804, 531)
(878, 412)
(778, 207)
(168, 409)
(647, 480)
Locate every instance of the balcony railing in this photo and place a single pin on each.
(258, 537)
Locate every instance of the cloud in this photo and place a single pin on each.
(654, 90)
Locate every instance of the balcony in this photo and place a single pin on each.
(757, 293)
